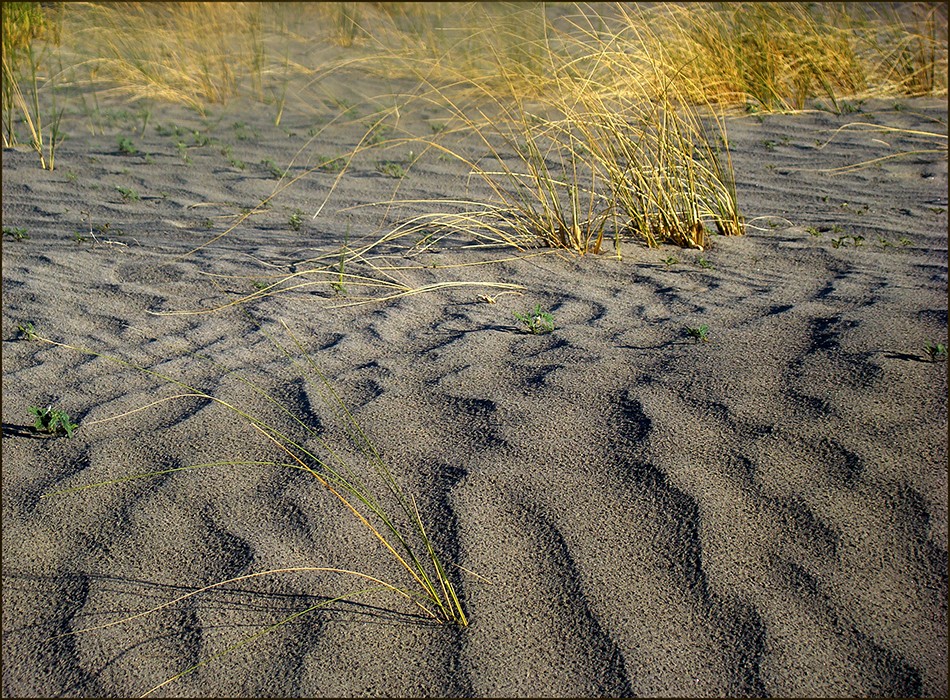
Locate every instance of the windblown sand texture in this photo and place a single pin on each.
(762, 514)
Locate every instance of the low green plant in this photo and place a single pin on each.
(813, 231)
(704, 263)
(700, 333)
(17, 233)
(537, 321)
(26, 331)
(126, 147)
(128, 194)
(856, 241)
(295, 220)
(378, 133)
(245, 133)
(183, 152)
(330, 165)
(52, 420)
(669, 260)
(337, 285)
(391, 168)
(275, 170)
(228, 152)
(935, 351)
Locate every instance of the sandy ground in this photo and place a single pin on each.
(762, 514)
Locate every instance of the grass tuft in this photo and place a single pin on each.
(366, 488)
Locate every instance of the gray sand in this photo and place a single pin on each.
(762, 514)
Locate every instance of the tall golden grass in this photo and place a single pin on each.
(764, 55)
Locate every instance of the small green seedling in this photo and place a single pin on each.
(126, 146)
(700, 334)
(128, 194)
(295, 220)
(936, 352)
(275, 170)
(183, 152)
(27, 331)
(703, 263)
(856, 241)
(338, 287)
(391, 168)
(670, 260)
(537, 321)
(378, 133)
(813, 231)
(330, 165)
(17, 234)
(52, 420)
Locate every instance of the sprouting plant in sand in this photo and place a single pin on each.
(935, 351)
(391, 168)
(339, 288)
(842, 241)
(295, 220)
(699, 333)
(128, 193)
(331, 165)
(669, 260)
(52, 420)
(27, 331)
(537, 321)
(17, 233)
(126, 147)
(275, 170)
(364, 487)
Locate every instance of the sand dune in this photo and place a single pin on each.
(636, 513)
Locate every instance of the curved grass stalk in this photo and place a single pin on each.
(431, 590)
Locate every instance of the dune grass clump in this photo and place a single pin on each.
(190, 53)
(605, 146)
(365, 489)
(28, 30)
(778, 55)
